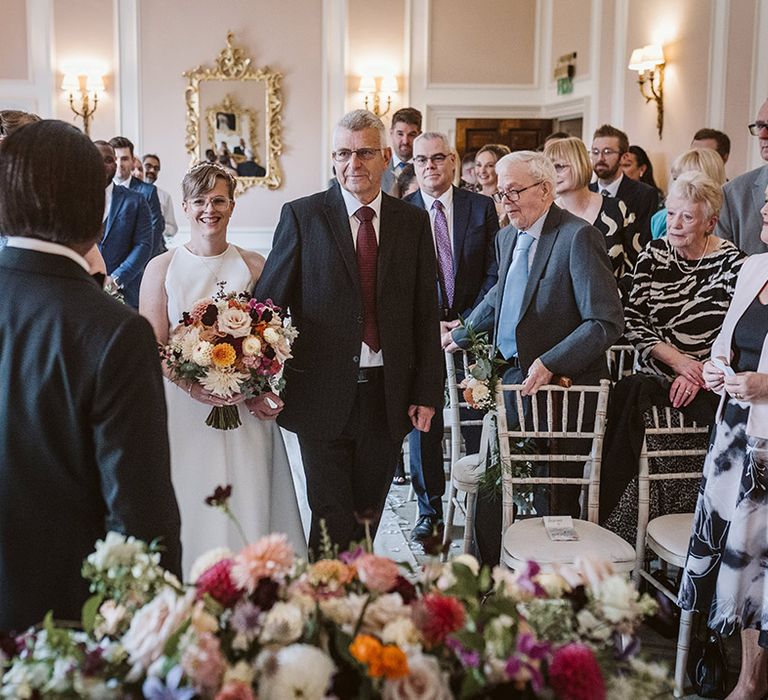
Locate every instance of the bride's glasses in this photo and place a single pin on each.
(201, 203)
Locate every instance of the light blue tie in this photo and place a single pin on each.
(514, 289)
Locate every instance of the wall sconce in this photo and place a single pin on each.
(649, 64)
(84, 91)
(386, 86)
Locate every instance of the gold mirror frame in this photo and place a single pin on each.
(233, 63)
(232, 105)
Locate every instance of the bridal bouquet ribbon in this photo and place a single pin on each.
(231, 344)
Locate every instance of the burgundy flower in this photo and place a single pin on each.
(436, 616)
(266, 593)
(210, 315)
(574, 674)
(218, 583)
(405, 588)
(220, 497)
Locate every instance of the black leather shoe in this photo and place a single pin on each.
(427, 526)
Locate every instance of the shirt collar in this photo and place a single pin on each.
(446, 198)
(126, 183)
(353, 203)
(613, 188)
(47, 247)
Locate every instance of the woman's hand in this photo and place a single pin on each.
(689, 368)
(682, 391)
(265, 406)
(747, 386)
(201, 394)
(713, 377)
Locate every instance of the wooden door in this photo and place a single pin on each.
(518, 134)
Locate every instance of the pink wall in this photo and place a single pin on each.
(13, 40)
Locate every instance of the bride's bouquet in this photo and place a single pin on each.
(231, 344)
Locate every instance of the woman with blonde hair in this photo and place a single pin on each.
(701, 160)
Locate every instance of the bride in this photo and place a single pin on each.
(252, 457)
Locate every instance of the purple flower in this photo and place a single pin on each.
(154, 688)
(245, 618)
(469, 658)
(531, 647)
(526, 583)
(526, 659)
(353, 554)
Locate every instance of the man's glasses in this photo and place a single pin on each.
(605, 152)
(437, 159)
(757, 127)
(344, 154)
(218, 203)
(513, 195)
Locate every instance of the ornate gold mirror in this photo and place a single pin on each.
(233, 117)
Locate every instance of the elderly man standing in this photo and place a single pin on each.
(464, 226)
(356, 268)
(555, 309)
(743, 197)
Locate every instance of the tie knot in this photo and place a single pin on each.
(605, 193)
(524, 240)
(364, 214)
(438, 205)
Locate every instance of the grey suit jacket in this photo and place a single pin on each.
(571, 313)
(740, 220)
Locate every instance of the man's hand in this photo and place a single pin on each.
(446, 339)
(538, 376)
(265, 406)
(421, 417)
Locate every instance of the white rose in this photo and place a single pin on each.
(114, 550)
(271, 335)
(251, 345)
(591, 627)
(188, 341)
(402, 632)
(284, 624)
(480, 392)
(425, 681)
(384, 610)
(616, 596)
(201, 353)
(234, 322)
(295, 671)
(337, 610)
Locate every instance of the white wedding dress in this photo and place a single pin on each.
(252, 457)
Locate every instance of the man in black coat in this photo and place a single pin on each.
(356, 267)
(83, 442)
(467, 222)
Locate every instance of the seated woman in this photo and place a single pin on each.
(725, 575)
(607, 214)
(682, 287)
(485, 173)
(700, 160)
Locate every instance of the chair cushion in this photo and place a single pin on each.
(527, 540)
(466, 473)
(669, 535)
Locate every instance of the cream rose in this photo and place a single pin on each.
(251, 346)
(201, 354)
(234, 322)
(425, 681)
(271, 335)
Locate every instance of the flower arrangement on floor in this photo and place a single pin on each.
(231, 344)
(262, 624)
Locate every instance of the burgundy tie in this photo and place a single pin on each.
(367, 253)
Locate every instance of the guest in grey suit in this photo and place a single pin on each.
(744, 196)
(565, 315)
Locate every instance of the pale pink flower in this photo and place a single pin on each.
(379, 574)
(199, 308)
(204, 664)
(425, 681)
(235, 690)
(271, 557)
(234, 322)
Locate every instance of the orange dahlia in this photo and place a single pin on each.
(365, 648)
(391, 663)
(223, 355)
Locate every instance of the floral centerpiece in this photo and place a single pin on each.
(479, 387)
(230, 344)
(260, 623)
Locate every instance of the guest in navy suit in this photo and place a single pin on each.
(464, 226)
(125, 158)
(126, 245)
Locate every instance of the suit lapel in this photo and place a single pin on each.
(543, 250)
(461, 207)
(389, 227)
(758, 191)
(338, 222)
(115, 207)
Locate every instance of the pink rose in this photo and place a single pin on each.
(234, 322)
(379, 574)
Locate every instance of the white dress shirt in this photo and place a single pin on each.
(166, 206)
(613, 188)
(368, 358)
(47, 247)
(107, 200)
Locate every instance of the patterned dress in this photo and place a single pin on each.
(725, 573)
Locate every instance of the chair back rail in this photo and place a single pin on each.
(622, 361)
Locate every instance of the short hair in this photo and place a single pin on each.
(408, 115)
(557, 135)
(13, 119)
(469, 157)
(405, 178)
(703, 160)
(695, 186)
(99, 142)
(121, 142)
(574, 152)
(150, 155)
(51, 184)
(720, 138)
(434, 135)
(539, 166)
(359, 119)
(201, 178)
(608, 131)
(498, 149)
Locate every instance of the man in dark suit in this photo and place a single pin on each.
(464, 226)
(124, 156)
(744, 196)
(555, 309)
(609, 145)
(126, 244)
(83, 442)
(357, 270)
(406, 126)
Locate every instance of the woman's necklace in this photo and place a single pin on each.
(213, 271)
(698, 264)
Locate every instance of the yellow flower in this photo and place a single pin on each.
(223, 355)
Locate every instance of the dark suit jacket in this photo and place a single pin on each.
(475, 224)
(149, 192)
(313, 270)
(83, 441)
(642, 200)
(571, 313)
(250, 168)
(126, 245)
(740, 221)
